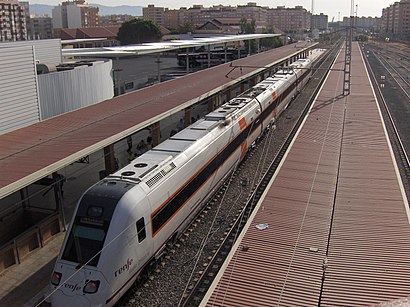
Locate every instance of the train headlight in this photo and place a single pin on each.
(91, 286)
(56, 278)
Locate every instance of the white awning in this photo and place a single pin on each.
(149, 48)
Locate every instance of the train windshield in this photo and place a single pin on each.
(85, 242)
(92, 220)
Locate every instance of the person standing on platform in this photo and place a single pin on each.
(149, 142)
(130, 156)
(180, 125)
(129, 143)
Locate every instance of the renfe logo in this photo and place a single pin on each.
(72, 287)
(124, 268)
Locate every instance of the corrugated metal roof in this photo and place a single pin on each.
(31, 153)
(158, 47)
(367, 261)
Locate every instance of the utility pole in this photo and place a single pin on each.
(311, 18)
(348, 52)
(355, 17)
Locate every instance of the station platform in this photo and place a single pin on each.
(333, 227)
(27, 284)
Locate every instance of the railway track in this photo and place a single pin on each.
(399, 149)
(184, 274)
(400, 78)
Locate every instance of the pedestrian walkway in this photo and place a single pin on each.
(335, 217)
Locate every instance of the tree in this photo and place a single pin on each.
(187, 27)
(270, 42)
(137, 31)
(248, 28)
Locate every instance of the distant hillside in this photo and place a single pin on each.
(41, 9)
(44, 9)
(121, 9)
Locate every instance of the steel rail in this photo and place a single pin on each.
(390, 72)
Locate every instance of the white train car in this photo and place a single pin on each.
(124, 222)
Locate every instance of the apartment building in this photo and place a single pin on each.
(319, 22)
(13, 25)
(41, 27)
(76, 14)
(26, 6)
(252, 11)
(173, 19)
(197, 15)
(396, 20)
(363, 24)
(295, 20)
(290, 20)
(154, 13)
(114, 20)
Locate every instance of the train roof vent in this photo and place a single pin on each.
(253, 92)
(147, 171)
(157, 177)
(204, 125)
(161, 174)
(237, 101)
(268, 81)
(168, 168)
(127, 173)
(220, 113)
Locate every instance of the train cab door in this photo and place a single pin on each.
(143, 243)
(143, 247)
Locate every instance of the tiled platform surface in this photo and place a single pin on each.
(338, 219)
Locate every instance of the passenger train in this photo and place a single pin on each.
(123, 223)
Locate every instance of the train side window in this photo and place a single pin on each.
(141, 230)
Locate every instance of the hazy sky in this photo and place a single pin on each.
(330, 7)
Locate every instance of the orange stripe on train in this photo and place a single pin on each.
(274, 95)
(244, 148)
(242, 123)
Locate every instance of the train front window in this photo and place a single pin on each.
(84, 244)
(92, 220)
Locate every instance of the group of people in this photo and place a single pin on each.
(181, 125)
(141, 148)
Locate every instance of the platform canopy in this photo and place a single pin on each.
(150, 48)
